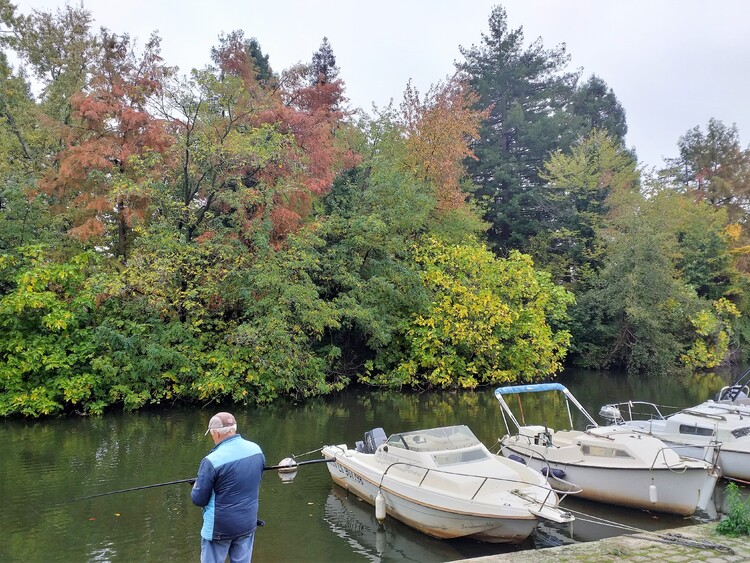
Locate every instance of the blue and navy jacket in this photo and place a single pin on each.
(227, 488)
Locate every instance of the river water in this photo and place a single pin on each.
(47, 464)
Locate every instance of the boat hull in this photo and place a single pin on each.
(677, 491)
(428, 517)
(734, 463)
(734, 453)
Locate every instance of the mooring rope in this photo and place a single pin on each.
(678, 539)
(294, 456)
(668, 538)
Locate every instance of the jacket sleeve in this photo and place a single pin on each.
(204, 483)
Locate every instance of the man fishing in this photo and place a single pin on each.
(227, 488)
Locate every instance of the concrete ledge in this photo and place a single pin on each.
(682, 545)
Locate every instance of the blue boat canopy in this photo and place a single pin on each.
(533, 388)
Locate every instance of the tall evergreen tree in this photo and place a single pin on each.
(252, 47)
(528, 90)
(597, 106)
(323, 69)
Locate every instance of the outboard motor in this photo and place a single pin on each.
(373, 439)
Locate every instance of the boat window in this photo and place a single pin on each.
(397, 441)
(435, 439)
(740, 432)
(459, 457)
(601, 451)
(696, 430)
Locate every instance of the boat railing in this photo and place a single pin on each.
(548, 501)
(708, 415)
(734, 408)
(662, 452)
(629, 411)
(573, 489)
(713, 451)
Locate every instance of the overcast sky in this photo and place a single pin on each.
(673, 64)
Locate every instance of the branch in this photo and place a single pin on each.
(14, 127)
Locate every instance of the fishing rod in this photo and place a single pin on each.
(287, 464)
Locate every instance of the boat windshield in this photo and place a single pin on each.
(435, 439)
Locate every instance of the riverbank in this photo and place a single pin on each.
(682, 545)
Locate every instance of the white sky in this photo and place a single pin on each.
(673, 64)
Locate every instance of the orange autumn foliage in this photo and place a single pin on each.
(440, 129)
(100, 168)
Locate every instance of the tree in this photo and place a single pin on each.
(527, 91)
(263, 67)
(114, 147)
(252, 157)
(489, 320)
(577, 197)
(712, 167)
(239, 56)
(59, 48)
(641, 311)
(24, 215)
(15, 101)
(439, 131)
(536, 108)
(598, 107)
(46, 323)
(323, 69)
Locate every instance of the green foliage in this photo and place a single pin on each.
(578, 191)
(45, 333)
(248, 271)
(489, 320)
(599, 109)
(713, 331)
(642, 310)
(277, 347)
(737, 521)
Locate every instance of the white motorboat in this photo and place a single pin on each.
(446, 483)
(612, 464)
(715, 429)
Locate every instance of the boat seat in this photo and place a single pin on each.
(531, 431)
(536, 433)
(417, 443)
